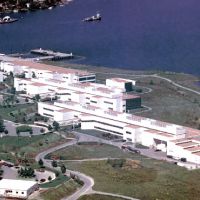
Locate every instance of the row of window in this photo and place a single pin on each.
(103, 129)
(48, 115)
(108, 102)
(10, 191)
(103, 123)
(48, 109)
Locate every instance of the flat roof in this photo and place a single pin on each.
(194, 148)
(158, 132)
(121, 80)
(16, 184)
(50, 68)
(187, 144)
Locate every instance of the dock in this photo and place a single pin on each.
(53, 55)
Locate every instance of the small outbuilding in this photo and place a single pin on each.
(10, 188)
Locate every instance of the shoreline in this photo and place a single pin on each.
(8, 8)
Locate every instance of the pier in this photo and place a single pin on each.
(49, 54)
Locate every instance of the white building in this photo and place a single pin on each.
(10, 188)
(1, 76)
(98, 106)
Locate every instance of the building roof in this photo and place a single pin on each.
(130, 96)
(121, 80)
(187, 144)
(38, 84)
(16, 184)
(50, 68)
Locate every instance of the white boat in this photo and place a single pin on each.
(96, 17)
(7, 19)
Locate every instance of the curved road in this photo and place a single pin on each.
(88, 181)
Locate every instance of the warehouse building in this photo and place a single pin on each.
(21, 189)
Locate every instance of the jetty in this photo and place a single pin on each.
(49, 54)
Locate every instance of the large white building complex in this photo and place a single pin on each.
(103, 107)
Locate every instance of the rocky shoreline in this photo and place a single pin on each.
(14, 6)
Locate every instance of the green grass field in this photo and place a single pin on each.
(89, 150)
(59, 192)
(27, 146)
(151, 180)
(59, 180)
(98, 197)
(24, 108)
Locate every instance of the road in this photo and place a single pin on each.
(88, 181)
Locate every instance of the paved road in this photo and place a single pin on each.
(88, 181)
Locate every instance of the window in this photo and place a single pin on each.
(48, 115)
(108, 102)
(48, 109)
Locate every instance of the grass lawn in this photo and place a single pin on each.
(149, 180)
(89, 150)
(61, 191)
(59, 180)
(23, 108)
(98, 197)
(170, 103)
(27, 146)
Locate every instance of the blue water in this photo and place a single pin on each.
(134, 34)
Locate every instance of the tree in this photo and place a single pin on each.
(12, 90)
(151, 82)
(57, 173)
(18, 132)
(63, 168)
(37, 97)
(54, 163)
(33, 75)
(2, 127)
(49, 178)
(56, 125)
(31, 132)
(50, 128)
(40, 162)
(6, 131)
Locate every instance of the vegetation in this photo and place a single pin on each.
(54, 163)
(89, 150)
(60, 179)
(25, 148)
(2, 127)
(61, 191)
(63, 168)
(41, 163)
(26, 172)
(145, 179)
(19, 113)
(24, 129)
(99, 197)
(56, 126)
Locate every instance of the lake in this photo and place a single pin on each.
(133, 34)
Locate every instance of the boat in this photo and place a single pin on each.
(7, 19)
(96, 17)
